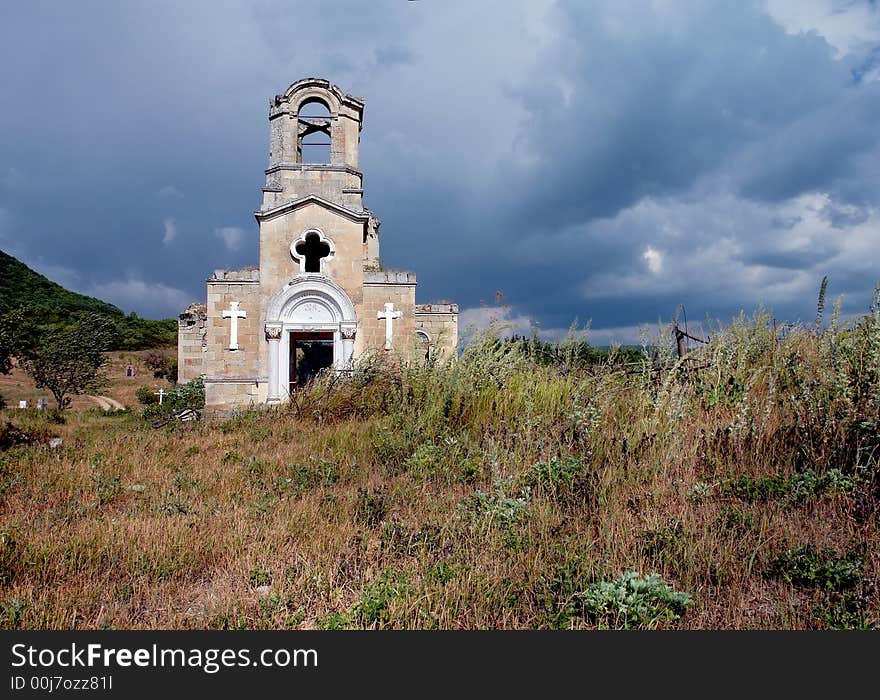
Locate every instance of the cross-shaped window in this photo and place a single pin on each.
(312, 249)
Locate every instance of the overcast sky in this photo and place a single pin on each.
(601, 160)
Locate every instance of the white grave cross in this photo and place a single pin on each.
(389, 315)
(160, 394)
(234, 313)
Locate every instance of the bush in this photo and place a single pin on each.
(334, 621)
(259, 577)
(164, 366)
(560, 477)
(497, 506)
(302, 477)
(146, 396)
(10, 436)
(800, 487)
(454, 459)
(372, 608)
(633, 602)
(190, 395)
(810, 567)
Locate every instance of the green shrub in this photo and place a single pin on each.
(665, 542)
(107, 486)
(11, 613)
(302, 477)
(451, 460)
(441, 573)
(810, 567)
(259, 577)
(633, 602)
(807, 485)
(146, 395)
(372, 608)
(556, 477)
(798, 488)
(334, 621)
(748, 488)
(847, 610)
(497, 506)
(735, 521)
(394, 443)
(699, 491)
(190, 395)
(10, 436)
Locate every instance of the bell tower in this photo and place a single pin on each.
(314, 139)
(320, 297)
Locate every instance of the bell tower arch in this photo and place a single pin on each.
(314, 145)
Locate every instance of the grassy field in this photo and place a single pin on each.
(16, 385)
(488, 493)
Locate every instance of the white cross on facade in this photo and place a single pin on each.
(234, 313)
(389, 315)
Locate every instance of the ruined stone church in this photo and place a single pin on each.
(320, 298)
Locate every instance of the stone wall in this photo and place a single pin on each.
(345, 268)
(338, 184)
(234, 377)
(380, 287)
(440, 323)
(223, 397)
(191, 343)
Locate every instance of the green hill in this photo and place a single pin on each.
(21, 286)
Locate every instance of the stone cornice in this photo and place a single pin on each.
(450, 308)
(213, 280)
(281, 209)
(389, 277)
(326, 167)
(248, 275)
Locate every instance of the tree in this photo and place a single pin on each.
(8, 338)
(66, 359)
(5, 346)
(15, 330)
(164, 366)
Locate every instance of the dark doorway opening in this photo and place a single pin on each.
(309, 354)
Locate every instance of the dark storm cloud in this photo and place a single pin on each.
(672, 102)
(603, 160)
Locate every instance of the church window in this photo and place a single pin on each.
(309, 250)
(425, 343)
(313, 133)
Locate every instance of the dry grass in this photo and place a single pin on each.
(17, 385)
(410, 498)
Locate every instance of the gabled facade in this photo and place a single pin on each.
(319, 298)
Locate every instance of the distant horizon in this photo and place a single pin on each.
(500, 316)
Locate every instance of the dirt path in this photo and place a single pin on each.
(105, 403)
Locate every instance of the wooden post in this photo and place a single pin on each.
(680, 342)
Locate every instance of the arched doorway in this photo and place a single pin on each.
(310, 325)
